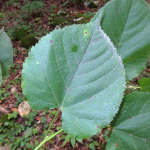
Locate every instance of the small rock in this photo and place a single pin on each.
(24, 108)
(62, 13)
(92, 5)
(58, 26)
(13, 89)
(96, 2)
(86, 4)
(6, 147)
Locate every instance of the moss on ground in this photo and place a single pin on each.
(4, 118)
(62, 22)
(28, 41)
(19, 34)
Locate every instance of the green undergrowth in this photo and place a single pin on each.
(20, 135)
(28, 41)
(77, 19)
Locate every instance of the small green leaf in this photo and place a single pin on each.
(34, 131)
(79, 140)
(28, 132)
(31, 115)
(144, 84)
(95, 143)
(73, 141)
(43, 119)
(132, 128)
(67, 138)
(74, 48)
(92, 146)
(12, 115)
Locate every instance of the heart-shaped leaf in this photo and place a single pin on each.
(127, 23)
(132, 128)
(77, 70)
(144, 84)
(6, 54)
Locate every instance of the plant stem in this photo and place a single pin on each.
(47, 139)
(133, 87)
(52, 122)
(109, 127)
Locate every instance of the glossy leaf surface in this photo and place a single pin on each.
(127, 23)
(6, 54)
(77, 70)
(144, 84)
(132, 129)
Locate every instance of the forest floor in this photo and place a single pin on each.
(28, 132)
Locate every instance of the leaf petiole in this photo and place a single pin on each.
(133, 87)
(47, 139)
(52, 122)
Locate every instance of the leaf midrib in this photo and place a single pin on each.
(79, 63)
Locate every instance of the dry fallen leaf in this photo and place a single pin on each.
(4, 110)
(14, 109)
(38, 118)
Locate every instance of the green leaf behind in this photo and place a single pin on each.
(144, 84)
(131, 131)
(86, 85)
(127, 23)
(6, 54)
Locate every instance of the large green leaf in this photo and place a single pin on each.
(77, 70)
(144, 84)
(6, 54)
(132, 129)
(127, 23)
